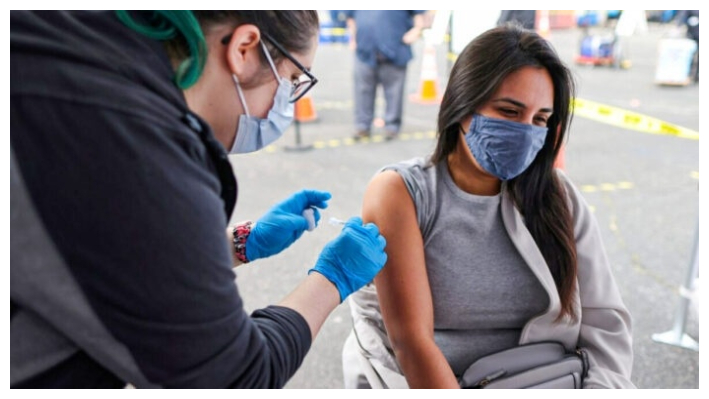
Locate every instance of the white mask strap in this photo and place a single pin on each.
(270, 61)
(241, 94)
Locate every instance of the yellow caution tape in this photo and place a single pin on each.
(630, 120)
(325, 31)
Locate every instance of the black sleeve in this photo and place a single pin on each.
(134, 207)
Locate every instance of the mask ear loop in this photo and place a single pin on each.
(470, 126)
(241, 94)
(463, 129)
(270, 61)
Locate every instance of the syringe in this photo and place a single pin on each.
(336, 222)
(309, 215)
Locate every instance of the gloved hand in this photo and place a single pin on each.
(353, 258)
(283, 224)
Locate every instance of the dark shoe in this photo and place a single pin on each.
(362, 134)
(389, 136)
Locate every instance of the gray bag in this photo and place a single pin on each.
(545, 365)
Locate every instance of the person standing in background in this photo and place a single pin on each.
(382, 39)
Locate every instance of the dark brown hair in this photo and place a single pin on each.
(537, 192)
(294, 30)
(183, 32)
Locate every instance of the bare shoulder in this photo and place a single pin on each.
(387, 183)
(387, 199)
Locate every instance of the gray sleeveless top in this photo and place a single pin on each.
(483, 291)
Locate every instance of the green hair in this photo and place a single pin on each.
(166, 25)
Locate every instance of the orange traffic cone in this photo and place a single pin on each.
(542, 23)
(428, 89)
(305, 110)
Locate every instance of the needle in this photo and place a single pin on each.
(335, 221)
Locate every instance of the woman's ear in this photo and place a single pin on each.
(243, 52)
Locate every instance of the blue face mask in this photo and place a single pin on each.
(253, 133)
(504, 148)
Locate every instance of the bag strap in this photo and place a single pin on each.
(582, 353)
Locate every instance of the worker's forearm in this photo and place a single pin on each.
(315, 298)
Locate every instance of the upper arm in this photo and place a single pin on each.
(402, 285)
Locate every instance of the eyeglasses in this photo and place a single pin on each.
(303, 83)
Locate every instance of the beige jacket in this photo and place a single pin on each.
(604, 327)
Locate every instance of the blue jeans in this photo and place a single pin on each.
(367, 78)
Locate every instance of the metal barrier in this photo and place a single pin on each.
(677, 336)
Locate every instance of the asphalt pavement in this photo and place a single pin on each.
(642, 187)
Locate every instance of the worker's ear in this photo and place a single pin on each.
(244, 52)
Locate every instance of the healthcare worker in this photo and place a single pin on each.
(121, 191)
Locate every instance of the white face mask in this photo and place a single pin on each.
(253, 133)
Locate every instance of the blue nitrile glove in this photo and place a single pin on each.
(283, 224)
(353, 258)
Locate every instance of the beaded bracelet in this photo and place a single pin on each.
(241, 233)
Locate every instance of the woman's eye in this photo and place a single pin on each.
(542, 120)
(509, 112)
